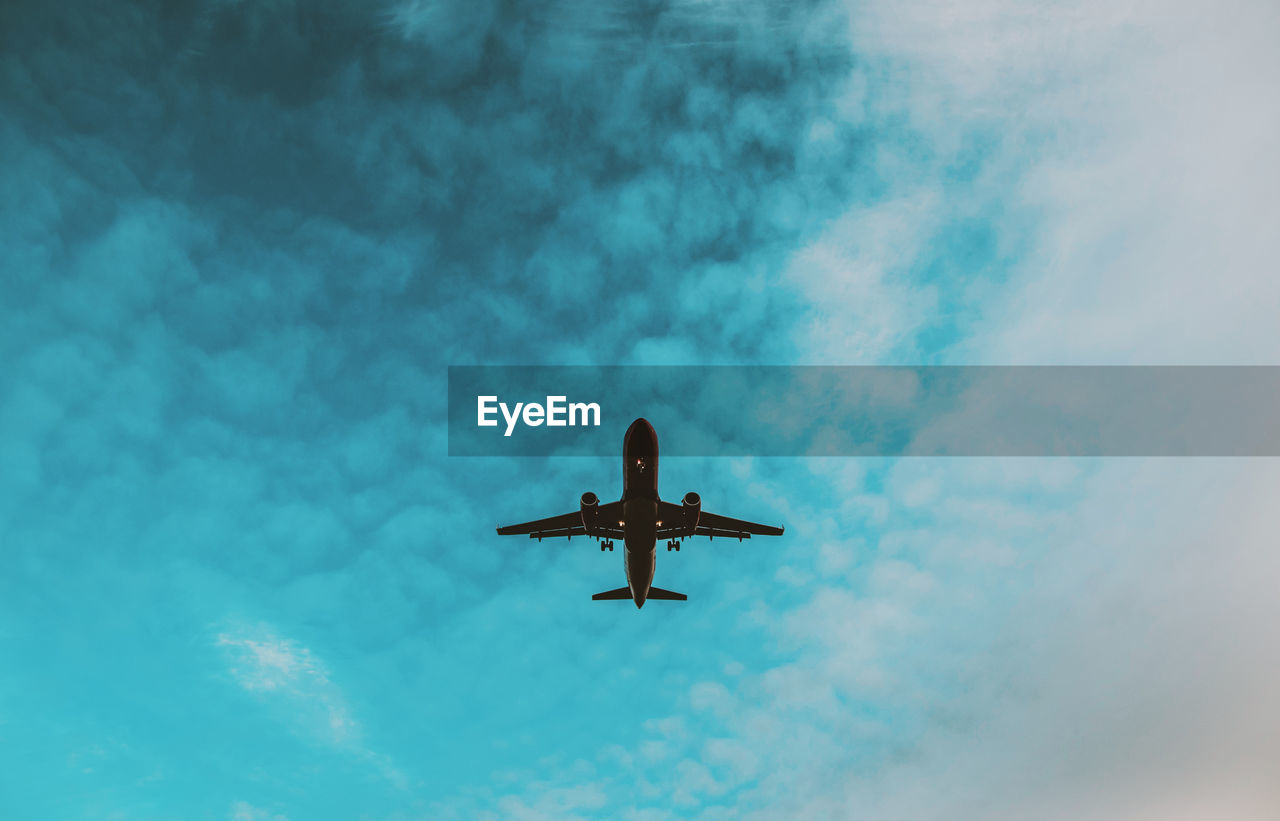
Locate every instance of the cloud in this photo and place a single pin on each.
(1139, 149)
(1120, 666)
(244, 811)
(1104, 688)
(280, 670)
(274, 666)
(858, 276)
(1014, 638)
(1072, 183)
(243, 239)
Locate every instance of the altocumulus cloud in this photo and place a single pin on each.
(987, 639)
(241, 241)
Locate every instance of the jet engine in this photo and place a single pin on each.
(590, 508)
(692, 509)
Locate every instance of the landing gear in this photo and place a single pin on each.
(606, 545)
(673, 544)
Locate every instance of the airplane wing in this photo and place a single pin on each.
(711, 525)
(568, 524)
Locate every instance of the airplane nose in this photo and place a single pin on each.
(640, 439)
(641, 425)
(638, 597)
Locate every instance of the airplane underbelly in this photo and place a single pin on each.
(640, 531)
(640, 568)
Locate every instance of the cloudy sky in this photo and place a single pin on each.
(241, 241)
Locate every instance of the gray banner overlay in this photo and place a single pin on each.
(875, 411)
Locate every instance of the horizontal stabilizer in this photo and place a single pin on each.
(620, 593)
(659, 593)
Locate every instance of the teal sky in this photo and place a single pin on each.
(240, 243)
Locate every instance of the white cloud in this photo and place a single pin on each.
(277, 668)
(1033, 638)
(1124, 667)
(1098, 638)
(545, 802)
(1147, 134)
(1132, 674)
(1129, 677)
(1128, 174)
(866, 307)
(244, 811)
(272, 664)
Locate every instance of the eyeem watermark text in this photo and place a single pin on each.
(556, 413)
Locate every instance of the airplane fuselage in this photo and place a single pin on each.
(640, 507)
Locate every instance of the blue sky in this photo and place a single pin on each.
(240, 243)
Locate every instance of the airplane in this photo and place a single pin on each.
(639, 518)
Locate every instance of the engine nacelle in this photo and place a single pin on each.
(692, 510)
(590, 508)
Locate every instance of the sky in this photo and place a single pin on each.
(241, 241)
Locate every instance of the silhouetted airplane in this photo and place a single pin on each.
(640, 518)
